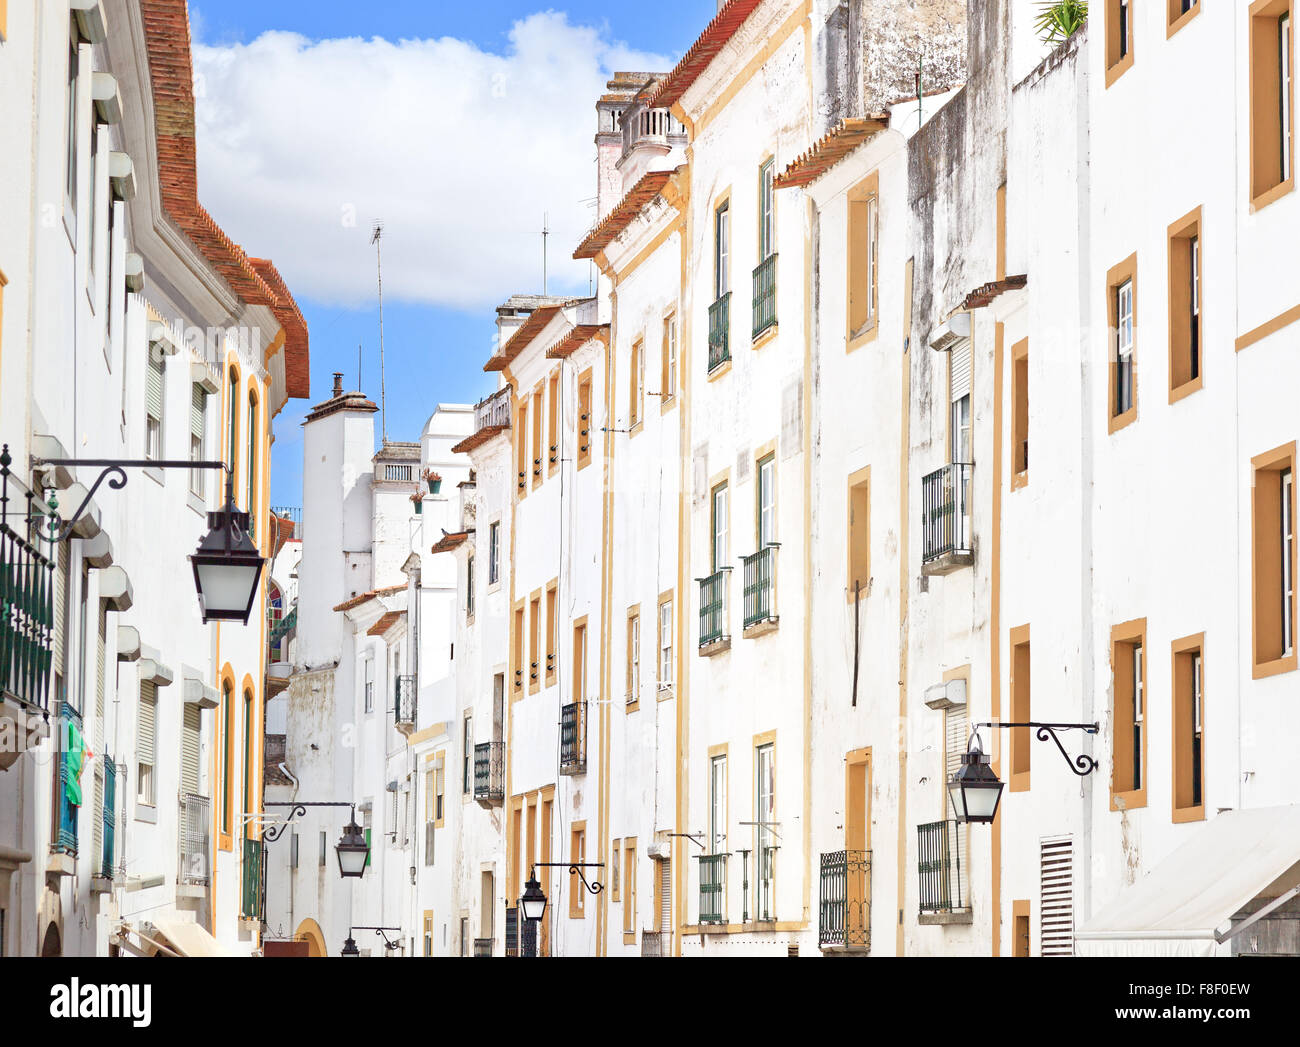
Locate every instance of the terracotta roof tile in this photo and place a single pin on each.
(385, 623)
(623, 214)
(830, 150)
(576, 339)
(451, 542)
(715, 37)
(521, 339)
(357, 601)
(483, 436)
(983, 295)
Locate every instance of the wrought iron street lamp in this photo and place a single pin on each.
(352, 849)
(350, 946)
(533, 901)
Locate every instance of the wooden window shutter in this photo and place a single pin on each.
(961, 371)
(154, 389)
(191, 732)
(665, 895)
(61, 579)
(198, 408)
(101, 644)
(146, 735)
(1056, 932)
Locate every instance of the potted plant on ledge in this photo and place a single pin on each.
(434, 480)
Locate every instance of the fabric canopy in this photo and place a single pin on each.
(1181, 907)
(188, 939)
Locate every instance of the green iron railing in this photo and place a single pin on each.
(845, 900)
(760, 587)
(720, 332)
(765, 295)
(713, 888)
(280, 629)
(713, 607)
(251, 895)
(26, 594)
(939, 867)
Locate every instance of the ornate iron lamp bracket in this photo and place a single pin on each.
(299, 810)
(594, 887)
(1082, 765)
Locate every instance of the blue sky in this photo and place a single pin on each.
(452, 252)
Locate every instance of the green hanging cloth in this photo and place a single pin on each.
(76, 759)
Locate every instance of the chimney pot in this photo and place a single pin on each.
(338, 384)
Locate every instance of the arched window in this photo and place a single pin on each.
(227, 703)
(248, 757)
(232, 458)
(251, 470)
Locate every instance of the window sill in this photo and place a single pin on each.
(632, 707)
(957, 917)
(1019, 782)
(763, 337)
(1182, 815)
(753, 632)
(716, 647)
(1122, 421)
(667, 404)
(1019, 481)
(156, 475)
(863, 336)
(1263, 670)
(1273, 195)
(1181, 21)
(197, 504)
(1181, 392)
(667, 694)
(637, 428)
(721, 370)
(1119, 69)
(1130, 801)
(146, 813)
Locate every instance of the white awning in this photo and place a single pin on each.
(1184, 906)
(187, 939)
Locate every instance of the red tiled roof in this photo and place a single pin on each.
(451, 542)
(576, 339)
(714, 38)
(622, 216)
(484, 435)
(830, 150)
(385, 623)
(357, 601)
(171, 70)
(982, 296)
(522, 338)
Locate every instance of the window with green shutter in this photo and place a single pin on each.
(198, 413)
(251, 472)
(153, 406)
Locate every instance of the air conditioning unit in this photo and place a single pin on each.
(954, 331)
(951, 695)
(660, 851)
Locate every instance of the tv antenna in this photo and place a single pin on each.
(377, 239)
(546, 236)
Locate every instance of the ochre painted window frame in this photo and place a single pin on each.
(580, 655)
(534, 659)
(629, 893)
(1181, 233)
(1265, 99)
(578, 855)
(668, 379)
(1266, 564)
(859, 533)
(552, 631)
(1175, 18)
(1122, 638)
(1115, 65)
(517, 653)
(1182, 652)
(666, 599)
(1020, 415)
(634, 621)
(586, 418)
(1116, 277)
(553, 452)
(538, 461)
(636, 388)
(1021, 743)
(522, 466)
(862, 327)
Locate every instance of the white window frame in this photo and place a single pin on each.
(722, 251)
(1288, 563)
(634, 657)
(766, 210)
(1286, 45)
(666, 644)
(494, 552)
(718, 804)
(1124, 348)
(720, 527)
(766, 502)
(671, 324)
(873, 256)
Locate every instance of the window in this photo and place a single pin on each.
(70, 158)
(554, 431)
(552, 631)
(1274, 562)
(146, 745)
(1020, 414)
(153, 391)
(198, 412)
(233, 423)
(1122, 309)
(633, 656)
(539, 413)
(464, 936)
(616, 878)
(1272, 100)
(666, 643)
(1128, 668)
(586, 421)
(467, 757)
(494, 553)
(535, 643)
(766, 212)
(469, 588)
(578, 849)
(1180, 13)
(766, 502)
(859, 534)
(428, 933)
(250, 471)
(1119, 39)
(629, 895)
(370, 685)
(765, 836)
(227, 712)
(580, 661)
(521, 445)
(1185, 306)
(669, 377)
(863, 261)
(722, 251)
(439, 790)
(249, 742)
(718, 804)
(519, 650)
(961, 449)
(1189, 729)
(1021, 706)
(720, 549)
(636, 394)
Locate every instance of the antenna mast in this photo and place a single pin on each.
(546, 235)
(377, 240)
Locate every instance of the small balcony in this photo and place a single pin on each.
(760, 592)
(765, 297)
(944, 890)
(713, 889)
(194, 835)
(404, 706)
(494, 412)
(946, 520)
(845, 913)
(250, 896)
(483, 948)
(512, 932)
(720, 332)
(715, 636)
(573, 739)
(489, 779)
(656, 943)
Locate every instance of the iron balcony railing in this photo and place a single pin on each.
(720, 332)
(512, 932)
(760, 587)
(713, 888)
(493, 412)
(404, 705)
(26, 593)
(765, 295)
(110, 819)
(489, 787)
(656, 943)
(713, 607)
(293, 514)
(573, 739)
(939, 851)
(946, 512)
(846, 900)
(483, 948)
(282, 627)
(66, 836)
(766, 869)
(250, 905)
(195, 839)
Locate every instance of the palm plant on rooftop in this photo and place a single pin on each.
(1060, 20)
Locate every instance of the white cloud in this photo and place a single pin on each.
(302, 144)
